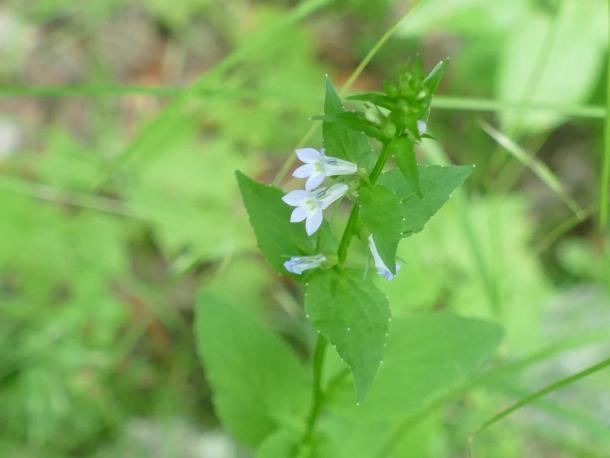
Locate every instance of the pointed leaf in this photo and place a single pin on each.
(353, 315)
(434, 77)
(257, 381)
(437, 185)
(277, 237)
(381, 213)
(340, 141)
(426, 354)
(403, 151)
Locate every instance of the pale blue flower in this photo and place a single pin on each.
(298, 264)
(382, 269)
(421, 126)
(309, 204)
(318, 166)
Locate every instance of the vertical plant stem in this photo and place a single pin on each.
(321, 343)
(316, 404)
(347, 235)
(604, 184)
(320, 348)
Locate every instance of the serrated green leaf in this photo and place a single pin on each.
(381, 213)
(277, 237)
(257, 381)
(353, 315)
(403, 151)
(340, 141)
(425, 355)
(437, 185)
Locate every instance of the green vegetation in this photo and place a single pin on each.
(141, 310)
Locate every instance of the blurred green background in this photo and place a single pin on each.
(121, 124)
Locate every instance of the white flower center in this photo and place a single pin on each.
(312, 204)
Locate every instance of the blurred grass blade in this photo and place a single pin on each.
(69, 197)
(563, 228)
(439, 102)
(584, 421)
(376, 47)
(87, 90)
(543, 392)
(476, 104)
(535, 165)
(162, 124)
(114, 90)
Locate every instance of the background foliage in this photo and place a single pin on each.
(121, 126)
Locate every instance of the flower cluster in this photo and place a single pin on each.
(310, 203)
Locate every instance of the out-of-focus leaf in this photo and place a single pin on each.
(258, 383)
(561, 68)
(353, 315)
(189, 194)
(470, 17)
(286, 93)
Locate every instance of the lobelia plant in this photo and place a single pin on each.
(391, 197)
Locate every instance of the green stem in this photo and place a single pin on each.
(380, 164)
(353, 217)
(347, 235)
(316, 405)
(489, 105)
